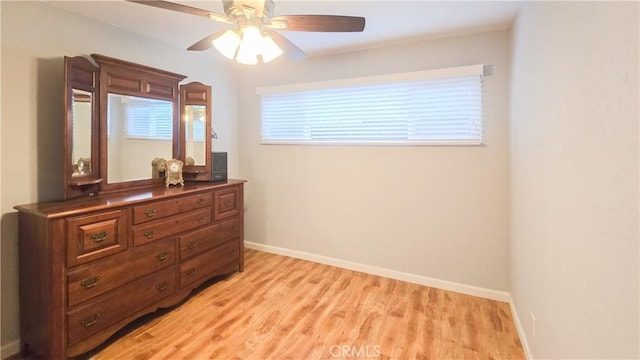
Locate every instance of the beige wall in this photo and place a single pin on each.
(574, 178)
(434, 211)
(35, 37)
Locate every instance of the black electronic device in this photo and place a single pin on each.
(218, 166)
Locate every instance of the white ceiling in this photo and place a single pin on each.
(387, 22)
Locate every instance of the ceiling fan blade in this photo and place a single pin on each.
(319, 23)
(205, 43)
(290, 50)
(183, 9)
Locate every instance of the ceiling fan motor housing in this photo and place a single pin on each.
(249, 9)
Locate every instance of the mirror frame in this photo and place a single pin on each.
(126, 78)
(195, 93)
(80, 74)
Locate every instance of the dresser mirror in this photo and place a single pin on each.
(138, 131)
(195, 129)
(194, 119)
(138, 120)
(123, 120)
(81, 145)
(81, 139)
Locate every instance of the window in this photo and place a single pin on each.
(194, 118)
(149, 119)
(198, 130)
(428, 107)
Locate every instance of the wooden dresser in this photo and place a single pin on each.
(90, 266)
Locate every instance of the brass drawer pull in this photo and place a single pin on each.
(150, 213)
(191, 244)
(227, 202)
(162, 255)
(162, 286)
(89, 283)
(201, 219)
(100, 237)
(90, 321)
(201, 201)
(149, 234)
(191, 272)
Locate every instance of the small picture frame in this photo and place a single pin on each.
(173, 173)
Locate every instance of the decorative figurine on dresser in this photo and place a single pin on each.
(121, 244)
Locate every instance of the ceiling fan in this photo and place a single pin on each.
(254, 40)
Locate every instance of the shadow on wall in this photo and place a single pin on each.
(255, 204)
(50, 127)
(9, 305)
(49, 141)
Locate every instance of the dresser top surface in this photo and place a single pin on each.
(121, 198)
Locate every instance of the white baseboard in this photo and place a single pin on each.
(393, 274)
(520, 329)
(10, 349)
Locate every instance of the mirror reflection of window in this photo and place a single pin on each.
(149, 119)
(139, 130)
(195, 116)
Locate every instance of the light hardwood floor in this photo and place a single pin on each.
(285, 308)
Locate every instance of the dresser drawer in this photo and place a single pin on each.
(226, 203)
(160, 209)
(118, 304)
(93, 279)
(206, 265)
(171, 226)
(198, 241)
(227, 230)
(95, 236)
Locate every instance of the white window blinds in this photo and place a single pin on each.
(429, 107)
(151, 119)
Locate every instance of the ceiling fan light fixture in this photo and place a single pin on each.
(246, 56)
(270, 50)
(251, 42)
(227, 44)
(250, 45)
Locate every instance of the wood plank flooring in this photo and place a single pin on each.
(286, 308)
